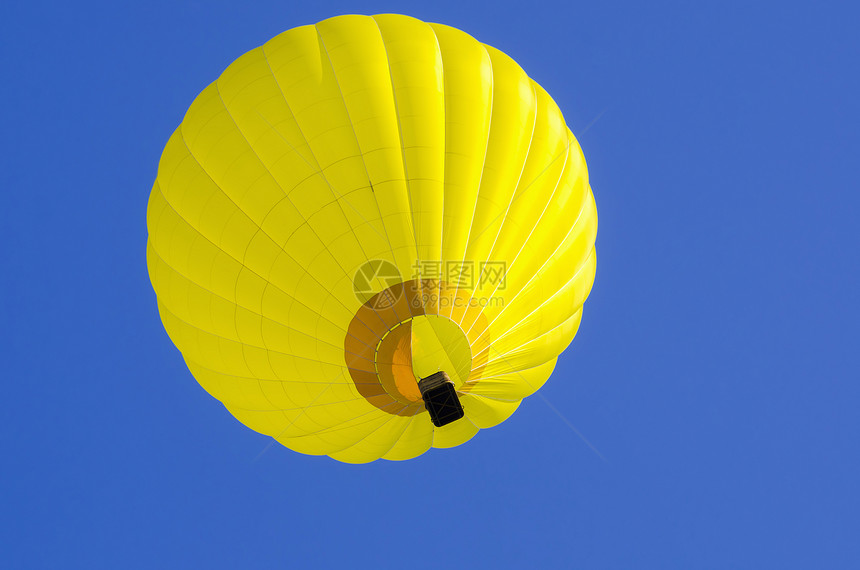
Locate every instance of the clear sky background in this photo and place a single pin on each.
(715, 370)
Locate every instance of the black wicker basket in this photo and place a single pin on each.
(440, 399)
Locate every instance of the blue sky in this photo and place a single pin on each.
(712, 370)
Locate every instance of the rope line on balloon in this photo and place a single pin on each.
(556, 411)
(594, 120)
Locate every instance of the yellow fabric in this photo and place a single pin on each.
(363, 139)
(438, 343)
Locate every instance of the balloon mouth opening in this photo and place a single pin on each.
(418, 348)
(409, 332)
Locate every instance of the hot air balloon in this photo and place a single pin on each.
(371, 236)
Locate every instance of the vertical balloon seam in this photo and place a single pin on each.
(504, 216)
(484, 158)
(489, 130)
(394, 99)
(414, 222)
(572, 279)
(513, 193)
(441, 61)
(537, 222)
(561, 176)
(392, 415)
(484, 147)
(445, 162)
(400, 140)
(441, 64)
(361, 156)
(361, 151)
(574, 227)
(565, 155)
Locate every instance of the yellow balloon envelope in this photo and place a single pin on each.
(362, 204)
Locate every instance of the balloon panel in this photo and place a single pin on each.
(356, 205)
